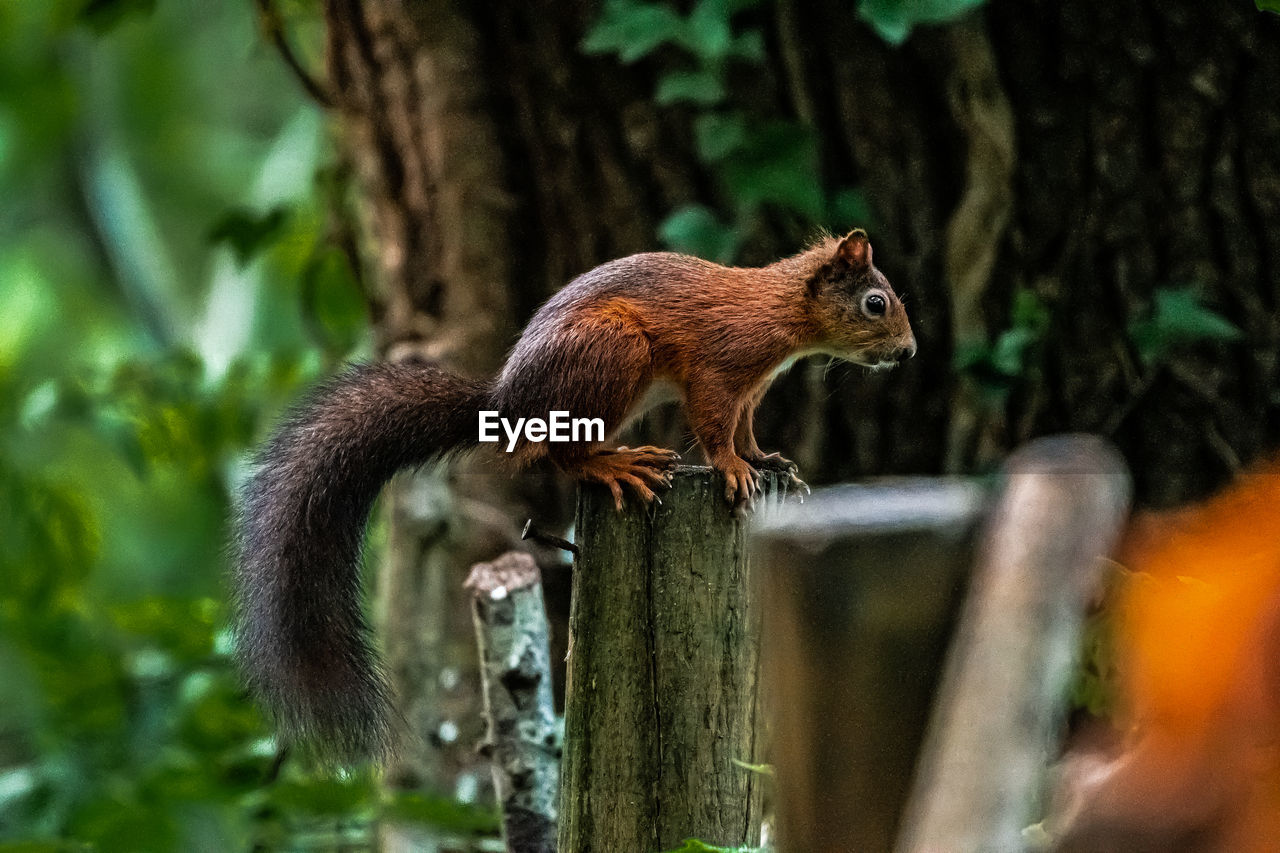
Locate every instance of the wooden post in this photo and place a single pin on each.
(861, 586)
(661, 696)
(1003, 698)
(515, 663)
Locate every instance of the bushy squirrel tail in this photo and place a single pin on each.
(303, 641)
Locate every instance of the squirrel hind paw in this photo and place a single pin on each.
(774, 462)
(642, 471)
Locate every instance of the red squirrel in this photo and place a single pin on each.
(715, 335)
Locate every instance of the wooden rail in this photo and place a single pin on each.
(861, 586)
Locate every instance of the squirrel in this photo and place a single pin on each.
(716, 335)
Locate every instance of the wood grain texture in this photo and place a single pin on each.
(662, 674)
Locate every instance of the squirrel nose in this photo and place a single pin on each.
(905, 352)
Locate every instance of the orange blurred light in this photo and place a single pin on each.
(1198, 657)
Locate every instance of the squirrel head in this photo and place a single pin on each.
(859, 316)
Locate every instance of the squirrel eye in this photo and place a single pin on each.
(874, 304)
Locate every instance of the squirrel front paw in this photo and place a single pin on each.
(741, 482)
(775, 462)
(787, 471)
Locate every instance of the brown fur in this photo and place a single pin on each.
(716, 333)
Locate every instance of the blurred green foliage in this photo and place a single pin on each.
(169, 279)
(1177, 316)
(762, 162)
(998, 366)
(894, 20)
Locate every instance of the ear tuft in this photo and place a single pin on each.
(855, 249)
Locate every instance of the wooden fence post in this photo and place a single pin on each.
(1003, 696)
(860, 591)
(662, 672)
(513, 636)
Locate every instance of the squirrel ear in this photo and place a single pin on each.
(855, 249)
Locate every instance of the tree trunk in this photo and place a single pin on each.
(413, 118)
(1087, 152)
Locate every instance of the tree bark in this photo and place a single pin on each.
(412, 107)
(523, 739)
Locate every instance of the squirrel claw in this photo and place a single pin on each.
(798, 484)
(786, 470)
(641, 470)
(775, 462)
(742, 484)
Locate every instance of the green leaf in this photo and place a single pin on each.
(699, 87)
(1030, 313)
(1177, 317)
(1268, 5)
(633, 29)
(779, 165)
(183, 627)
(718, 135)
(749, 46)
(247, 232)
(707, 34)
(694, 230)
(331, 300)
(323, 796)
(123, 436)
(893, 20)
(998, 366)
(1008, 353)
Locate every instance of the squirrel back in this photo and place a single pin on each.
(303, 641)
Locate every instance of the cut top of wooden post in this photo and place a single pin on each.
(513, 570)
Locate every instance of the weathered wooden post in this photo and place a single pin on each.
(1003, 698)
(861, 586)
(661, 695)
